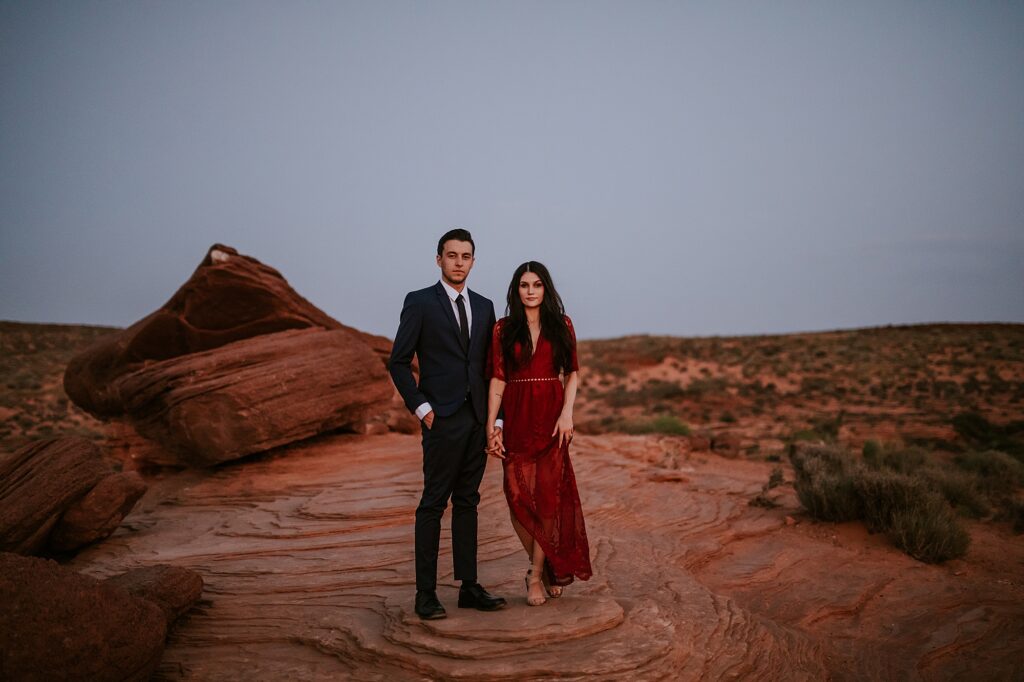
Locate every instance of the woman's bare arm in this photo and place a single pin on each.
(495, 444)
(564, 426)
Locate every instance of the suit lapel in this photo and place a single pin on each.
(479, 320)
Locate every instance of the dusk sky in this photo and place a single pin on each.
(682, 168)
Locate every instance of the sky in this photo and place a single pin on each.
(685, 168)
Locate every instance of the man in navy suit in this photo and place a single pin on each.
(448, 328)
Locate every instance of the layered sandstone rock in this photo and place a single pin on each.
(61, 494)
(255, 394)
(172, 375)
(308, 555)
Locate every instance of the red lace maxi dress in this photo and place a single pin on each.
(539, 483)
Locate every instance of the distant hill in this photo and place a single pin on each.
(893, 383)
(754, 393)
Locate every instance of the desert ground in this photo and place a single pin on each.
(706, 564)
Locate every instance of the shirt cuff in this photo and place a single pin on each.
(423, 410)
(499, 424)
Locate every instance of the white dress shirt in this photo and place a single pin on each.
(425, 409)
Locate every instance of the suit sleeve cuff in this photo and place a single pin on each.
(423, 410)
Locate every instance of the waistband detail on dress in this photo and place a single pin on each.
(512, 381)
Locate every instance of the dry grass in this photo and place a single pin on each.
(33, 404)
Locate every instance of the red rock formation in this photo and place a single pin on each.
(60, 494)
(229, 297)
(234, 299)
(57, 624)
(252, 395)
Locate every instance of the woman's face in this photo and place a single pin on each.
(531, 290)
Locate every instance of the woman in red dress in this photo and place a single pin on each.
(533, 351)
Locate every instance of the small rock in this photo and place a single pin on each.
(99, 513)
(61, 493)
(173, 588)
(57, 624)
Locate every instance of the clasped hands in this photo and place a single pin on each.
(496, 442)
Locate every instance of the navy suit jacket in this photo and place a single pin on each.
(430, 330)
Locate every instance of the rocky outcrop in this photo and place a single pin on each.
(252, 395)
(235, 315)
(308, 555)
(61, 494)
(56, 624)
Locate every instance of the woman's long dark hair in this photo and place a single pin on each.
(552, 322)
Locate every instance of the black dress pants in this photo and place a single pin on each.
(453, 466)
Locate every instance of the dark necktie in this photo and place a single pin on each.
(463, 323)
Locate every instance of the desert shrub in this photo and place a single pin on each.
(872, 454)
(904, 460)
(653, 391)
(883, 493)
(1016, 516)
(960, 489)
(814, 385)
(982, 434)
(666, 424)
(775, 479)
(997, 472)
(699, 387)
(808, 460)
(824, 482)
(833, 485)
(928, 531)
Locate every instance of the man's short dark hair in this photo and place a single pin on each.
(457, 234)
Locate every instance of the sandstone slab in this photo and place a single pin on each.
(61, 494)
(252, 395)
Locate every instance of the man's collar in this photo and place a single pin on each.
(452, 293)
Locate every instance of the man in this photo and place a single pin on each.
(448, 327)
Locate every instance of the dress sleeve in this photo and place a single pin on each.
(573, 360)
(496, 359)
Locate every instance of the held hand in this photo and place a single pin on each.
(496, 444)
(428, 419)
(563, 429)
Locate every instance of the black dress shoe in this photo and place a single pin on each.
(427, 605)
(476, 597)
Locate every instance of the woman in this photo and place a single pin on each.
(531, 347)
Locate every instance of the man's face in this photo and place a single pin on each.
(455, 261)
